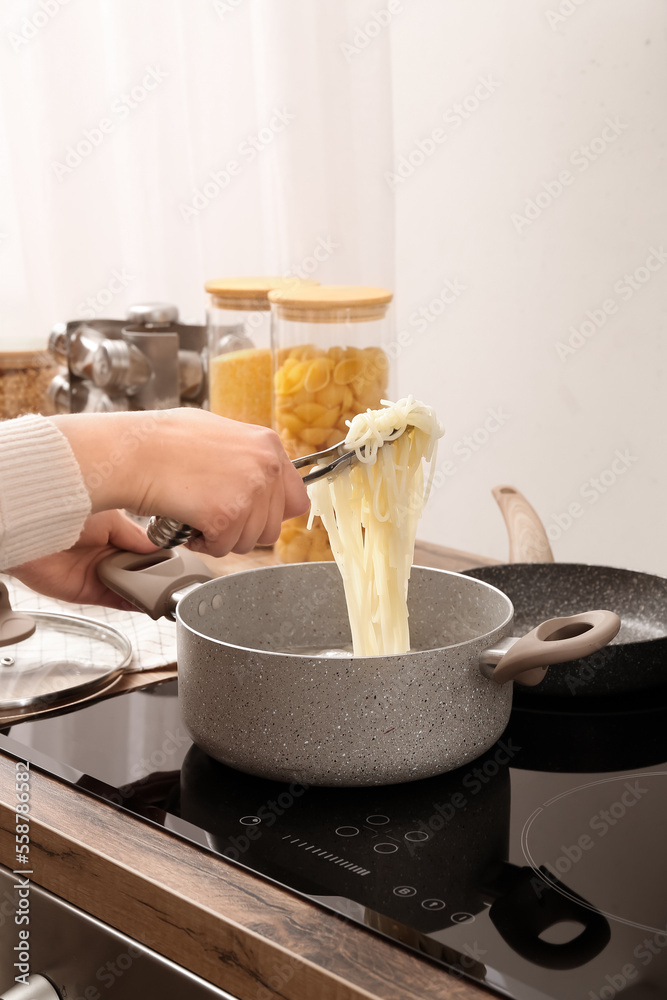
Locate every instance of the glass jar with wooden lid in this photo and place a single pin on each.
(239, 346)
(331, 349)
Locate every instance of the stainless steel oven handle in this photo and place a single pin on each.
(36, 988)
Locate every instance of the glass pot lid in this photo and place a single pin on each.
(48, 658)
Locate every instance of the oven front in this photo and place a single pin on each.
(69, 954)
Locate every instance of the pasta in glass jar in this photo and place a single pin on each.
(331, 349)
(239, 346)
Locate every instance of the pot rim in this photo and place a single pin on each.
(507, 621)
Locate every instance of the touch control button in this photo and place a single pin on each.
(386, 849)
(405, 890)
(433, 904)
(462, 917)
(416, 836)
(377, 820)
(250, 820)
(347, 831)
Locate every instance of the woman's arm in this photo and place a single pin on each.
(231, 481)
(43, 499)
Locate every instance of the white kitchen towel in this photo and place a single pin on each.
(153, 643)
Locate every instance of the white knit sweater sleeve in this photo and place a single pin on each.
(43, 498)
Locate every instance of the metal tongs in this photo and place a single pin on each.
(166, 532)
(340, 457)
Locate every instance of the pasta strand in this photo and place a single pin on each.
(371, 510)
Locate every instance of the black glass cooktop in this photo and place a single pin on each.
(538, 870)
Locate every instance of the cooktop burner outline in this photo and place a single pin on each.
(606, 818)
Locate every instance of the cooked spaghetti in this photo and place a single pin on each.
(370, 511)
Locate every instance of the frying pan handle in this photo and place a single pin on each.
(152, 581)
(528, 539)
(557, 640)
(531, 904)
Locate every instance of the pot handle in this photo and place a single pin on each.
(557, 640)
(153, 581)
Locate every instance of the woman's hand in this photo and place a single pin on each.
(231, 481)
(72, 575)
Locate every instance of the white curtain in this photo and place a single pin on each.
(148, 146)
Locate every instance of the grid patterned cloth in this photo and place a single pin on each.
(153, 643)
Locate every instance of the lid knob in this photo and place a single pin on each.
(14, 626)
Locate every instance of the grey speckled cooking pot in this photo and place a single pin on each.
(293, 716)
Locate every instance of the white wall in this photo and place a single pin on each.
(561, 422)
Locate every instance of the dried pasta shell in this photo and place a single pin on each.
(301, 396)
(335, 436)
(318, 554)
(305, 352)
(358, 386)
(377, 361)
(347, 370)
(331, 395)
(294, 378)
(349, 400)
(315, 436)
(296, 550)
(292, 445)
(370, 398)
(328, 419)
(290, 422)
(309, 412)
(318, 375)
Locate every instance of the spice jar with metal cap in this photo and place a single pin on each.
(331, 348)
(239, 346)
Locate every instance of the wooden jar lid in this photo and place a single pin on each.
(250, 293)
(331, 303)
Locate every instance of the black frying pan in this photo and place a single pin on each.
(539, 588)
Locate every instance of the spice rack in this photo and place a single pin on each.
(148, 361)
